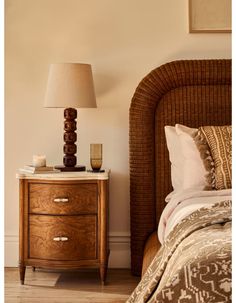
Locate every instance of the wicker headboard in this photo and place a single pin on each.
(189, 92)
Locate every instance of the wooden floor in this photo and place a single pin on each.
(68, 287)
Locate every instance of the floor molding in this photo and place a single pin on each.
(119, 243)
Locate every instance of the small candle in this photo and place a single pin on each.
(39, 160)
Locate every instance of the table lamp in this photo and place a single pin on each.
(70, 86)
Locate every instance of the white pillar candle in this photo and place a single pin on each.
(39, 160)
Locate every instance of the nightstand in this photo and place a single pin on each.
(63, 221)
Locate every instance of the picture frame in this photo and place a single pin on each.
(211, 16)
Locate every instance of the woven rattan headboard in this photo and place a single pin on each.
(190, 92)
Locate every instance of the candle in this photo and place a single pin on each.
(39, 160)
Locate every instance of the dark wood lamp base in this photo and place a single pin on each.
(70, 148)
(68, 169)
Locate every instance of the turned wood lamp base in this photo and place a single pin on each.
(70, 148)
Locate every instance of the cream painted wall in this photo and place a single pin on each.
(123, 40)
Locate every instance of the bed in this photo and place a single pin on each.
(193, 93)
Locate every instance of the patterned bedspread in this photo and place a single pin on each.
(194, 263)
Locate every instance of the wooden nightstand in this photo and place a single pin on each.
(64, 221)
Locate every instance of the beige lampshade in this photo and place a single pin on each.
(70, 85)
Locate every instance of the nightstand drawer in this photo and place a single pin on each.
(62, 198)
(63, 237)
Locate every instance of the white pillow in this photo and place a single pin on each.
(175, 156)
(194, 172)
(187, 168)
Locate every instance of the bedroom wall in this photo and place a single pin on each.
(123, 40)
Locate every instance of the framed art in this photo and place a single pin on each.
(211, 16)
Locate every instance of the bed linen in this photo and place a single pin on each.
(194, 262)
(186, 202)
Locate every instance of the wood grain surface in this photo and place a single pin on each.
(82, 198)
(69, 233)
(80, 231)
(82, 286)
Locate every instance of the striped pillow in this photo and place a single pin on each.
(219, 157)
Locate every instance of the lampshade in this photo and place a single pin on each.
(70, 85)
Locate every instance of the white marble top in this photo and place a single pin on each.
(84, 175)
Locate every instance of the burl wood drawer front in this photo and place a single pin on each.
(62, 198)
(63, 237)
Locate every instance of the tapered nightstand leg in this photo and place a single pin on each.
(103, 269)
(22, 274)
(103, 274)
(33, 268)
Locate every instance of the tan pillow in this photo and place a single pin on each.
(219, 157)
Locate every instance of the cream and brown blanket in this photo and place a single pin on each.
(194, 263)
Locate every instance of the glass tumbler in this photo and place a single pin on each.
(96, 156)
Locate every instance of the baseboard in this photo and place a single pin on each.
(119, 244)
(11, 250)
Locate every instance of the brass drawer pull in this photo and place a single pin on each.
(61, 200)
(63, 239)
